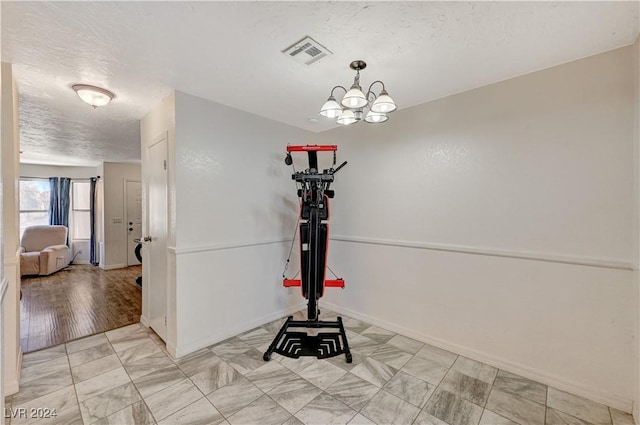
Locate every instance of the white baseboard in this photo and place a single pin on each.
(182, 350)
(144, 321)
(11, 387)
(112, 266)
(171, 349)
(81, 262)
(618, 402)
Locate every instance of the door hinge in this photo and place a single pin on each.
(165, 320)
(165, 164)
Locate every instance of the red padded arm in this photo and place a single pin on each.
(316, 148)
(337, 283)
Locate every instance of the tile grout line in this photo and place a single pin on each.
(484, 406)
(130, 378)
(267, 393)
(437, 385)
(339, 401)
(207, 396)
(73, 382)
(367, 403)
(546, 403)
(422, 409)
(198, 388)
(610, 414)
(299, 376)
(450, 368)
(381, 389)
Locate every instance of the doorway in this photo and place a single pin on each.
(155, 242)
(61, 307)
(133, 209)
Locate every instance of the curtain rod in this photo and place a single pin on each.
(72, 178)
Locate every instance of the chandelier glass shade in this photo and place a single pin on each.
(331, 108)
(383, 104)
(354, 98)
(346, 117)
(375, 117)
(351, 107)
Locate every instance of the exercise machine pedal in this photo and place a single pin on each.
(294, 344)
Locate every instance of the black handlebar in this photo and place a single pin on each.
(339, 167)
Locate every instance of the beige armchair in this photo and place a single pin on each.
(44, 250)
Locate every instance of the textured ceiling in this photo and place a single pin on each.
(230, 52)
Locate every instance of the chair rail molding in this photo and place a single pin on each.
(606, 263)
(224, 246)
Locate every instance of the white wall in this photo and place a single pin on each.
(236, 208)
(10, 284)
(4, 283)
(114, 218)
(636, 223)
(497, 223)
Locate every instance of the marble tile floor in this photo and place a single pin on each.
(125, 376)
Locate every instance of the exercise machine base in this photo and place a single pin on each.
(323, 345)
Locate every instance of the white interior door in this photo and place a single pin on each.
(133, 190)
(155, 263)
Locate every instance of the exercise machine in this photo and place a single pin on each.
(314, 193)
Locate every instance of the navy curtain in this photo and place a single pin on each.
(59, 201)
(65, 204)
(92, 221)
(54, 200)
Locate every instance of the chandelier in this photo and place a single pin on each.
(354, 102)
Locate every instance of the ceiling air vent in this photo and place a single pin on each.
(307, 51)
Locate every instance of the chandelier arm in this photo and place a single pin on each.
(371, 86)
(377, 81)
(338, 87)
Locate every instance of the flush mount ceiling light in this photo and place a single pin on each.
(94, 96)
(352, 106)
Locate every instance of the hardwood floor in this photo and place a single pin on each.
(78, 301)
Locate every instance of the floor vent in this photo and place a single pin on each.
(307, 51)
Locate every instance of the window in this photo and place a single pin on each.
(34, 203)
(80, 209)
(34, 206)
